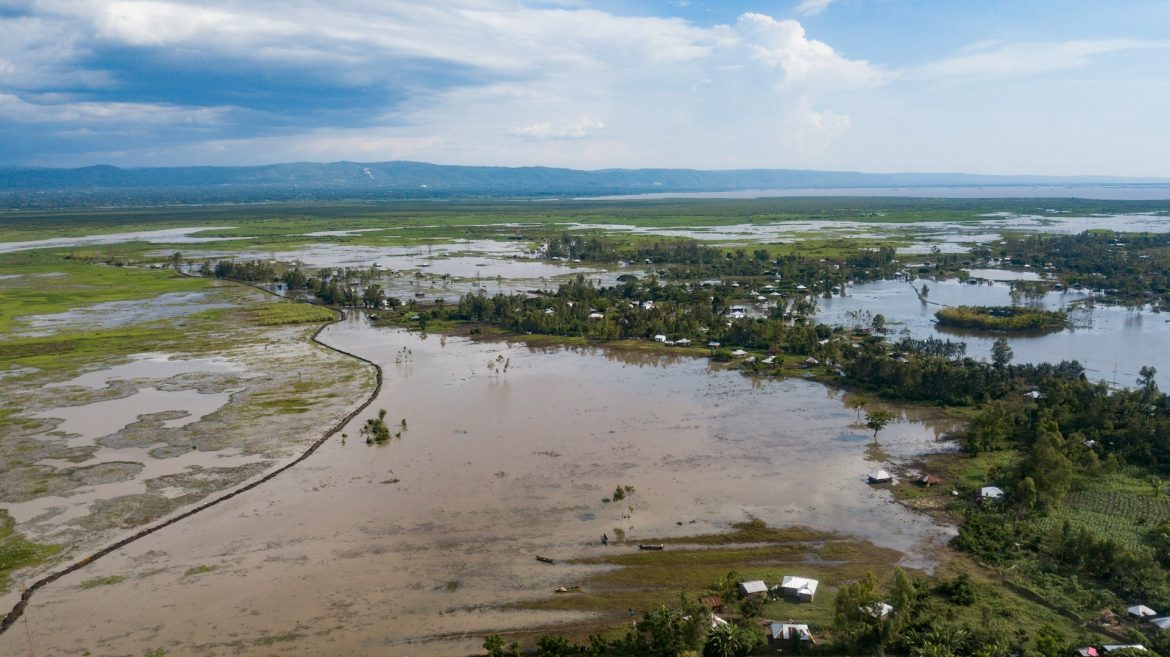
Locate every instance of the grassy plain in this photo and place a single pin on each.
(396, 222)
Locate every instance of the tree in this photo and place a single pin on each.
(494, 645)
(879, 323)
(1146, 378)
(989, 429)
(375, 429)
(1047, 465)
(877, 420)
(854, 622)
(1001, 353)
(724, 641)
(1026, 494)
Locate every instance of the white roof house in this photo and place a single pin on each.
(1162, 623)
(800, 588)
(990, 493)
(660, 338)
(1120, 646)
(683, 341)
(754, 587)
(880, 477)
(879, 610)
(1141, 611)
(791, 632)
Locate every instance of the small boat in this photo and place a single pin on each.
(544, 559)
(571, 589)
(651, 547)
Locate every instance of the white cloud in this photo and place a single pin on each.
(546, 130)
(59, 110)
(811, 7)
(783, 44)
(992, 60)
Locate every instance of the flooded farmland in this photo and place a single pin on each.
(501, 451)
(1113, 343)
(411, 547)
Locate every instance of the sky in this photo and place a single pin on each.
(1052, 87)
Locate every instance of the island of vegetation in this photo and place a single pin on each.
(1001, 318)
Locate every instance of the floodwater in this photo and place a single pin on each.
(1112, 343)
(506, 452)
(168, 236)
(88, 422)
(116, 313)
(153, 366)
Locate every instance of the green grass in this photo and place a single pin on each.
(644, 580)
(291, 312)
(199, 570)
(17, 552)
(102, 581)
(49, 283)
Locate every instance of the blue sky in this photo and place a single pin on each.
(1039, 87)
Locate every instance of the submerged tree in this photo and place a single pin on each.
(877, 420)
(376, 430)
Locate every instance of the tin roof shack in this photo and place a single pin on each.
(754, 587)
(1141, 611)
(790, 635)
(799, 588)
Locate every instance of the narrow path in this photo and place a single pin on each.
(26, 595)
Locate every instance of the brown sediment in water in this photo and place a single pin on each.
(354, 551)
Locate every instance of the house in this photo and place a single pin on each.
(1141, 611)
(879, 610)
(682, 342)
(928, 480)
(990, 493)
(713, 344)
(790, 635)
(810, 362)
(1162, 623)
(1119, 646)
(739, 352)
(1088, 651)
(799, 588)
(660, 338)
(596, 316)
(754, 587)
(880, 477)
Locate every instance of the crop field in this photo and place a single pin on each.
(1117, 505)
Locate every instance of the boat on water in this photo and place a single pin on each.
(651, 547)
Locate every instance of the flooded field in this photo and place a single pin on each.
(117, 313)
(95, 452)
(1112, 343)
(412, 547)
(167, 236)
(502, 452)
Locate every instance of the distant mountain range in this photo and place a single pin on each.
(421, 180)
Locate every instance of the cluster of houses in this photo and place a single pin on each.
(1136, 612)
(792, 587)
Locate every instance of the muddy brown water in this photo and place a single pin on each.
(410, 548)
